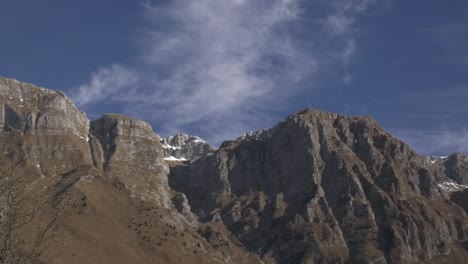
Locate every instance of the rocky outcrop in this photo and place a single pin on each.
(132, 154)
(325, 188)
(456, 168)
(256, 135)
(185, 148)
(28, 108)
(51, 133)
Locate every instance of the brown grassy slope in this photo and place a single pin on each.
(108, 226)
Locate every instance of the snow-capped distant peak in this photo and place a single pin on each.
(185, 147)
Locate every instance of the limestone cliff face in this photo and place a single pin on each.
(325, 188)
(52, 134)
(28, 108)
(131, 152)
(55, 138)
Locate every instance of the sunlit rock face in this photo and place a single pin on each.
(131, 152)
(52, 133)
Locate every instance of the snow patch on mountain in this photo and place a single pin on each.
(185, 147)
(166, 146)
(172, 158)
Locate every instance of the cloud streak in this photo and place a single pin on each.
(340, 25)
(345, 14)
(218, 68)
(222, 56)
(105, 84)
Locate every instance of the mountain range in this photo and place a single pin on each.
(317, 187)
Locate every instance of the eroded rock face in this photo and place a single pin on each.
(185, 147)
(132, 153)
(29, 108)
(55, 138)
(325, 188)
(51, 132)
(456, 168)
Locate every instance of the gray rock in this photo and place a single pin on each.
(184, 147)
(52, 133)
(27, 108)
(132, 153)
(333, 189)
(456, 168)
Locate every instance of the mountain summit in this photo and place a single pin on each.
(316, 188)
(183, 147)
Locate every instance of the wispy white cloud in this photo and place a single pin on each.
(340, 25)
(105, 83)
(345, 14)
(220, 67)
(222, 55)
(347, 56)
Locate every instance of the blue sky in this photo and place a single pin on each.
(219, 68)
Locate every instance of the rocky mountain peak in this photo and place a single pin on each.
(51, 133)
(456, 168)
(258, 135)
(130, 151)
(180, 139)
(28, 108)
(125, 127)
(183, 147)
(318, 171)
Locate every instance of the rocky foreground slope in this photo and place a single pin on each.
(316, 188)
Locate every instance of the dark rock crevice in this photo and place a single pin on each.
(105, 131)
(12, 120)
